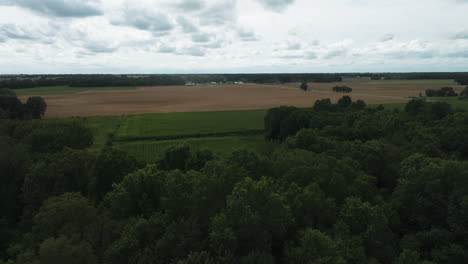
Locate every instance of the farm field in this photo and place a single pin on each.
(148, 136)
(150, 126)
(168, 99)
(142, 135)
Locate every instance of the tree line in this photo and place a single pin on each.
(460, 77)
(342, 89)
(11, 107)
(343, 183)
(30, 81)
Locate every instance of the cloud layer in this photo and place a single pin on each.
(60, 8)
(167, 36)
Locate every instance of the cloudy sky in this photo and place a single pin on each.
(215, 36)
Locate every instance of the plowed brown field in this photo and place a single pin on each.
(220, 97)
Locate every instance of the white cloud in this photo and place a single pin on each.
(232, 35)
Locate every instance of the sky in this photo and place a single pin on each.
(232, 36)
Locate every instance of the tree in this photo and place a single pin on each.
(55, 174)
(256, 218)
(442, 92)
(7, 92)
(54, 137)
(36, 106)
(139, 193)
(304, 86)
(362, 225)
(110, 167)
(323, 105)
(358, 105)
(71, 215)
(64, 250)
(273, 120)
(345, 101)
(342, 89)
(12, 106)
(314, 247)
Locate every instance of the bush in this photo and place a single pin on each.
(342, 89)
(442, 92)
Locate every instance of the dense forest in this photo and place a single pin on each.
(342, 183)
(30, 81)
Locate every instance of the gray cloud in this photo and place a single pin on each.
(387, 37)
(214, 45)
(201, 37)
(311, 56)
(219, 14)
(294, 46)
(166, 49)
(194, 51)
(187, 26)
(245, 35)
(458, 54)
(190, 5)
(462, 34)
(334, 53)
(11, 31)
(276, 5)
(99, 47)
(155, 22)
(425, 54)
(59, 8)
(292, 57)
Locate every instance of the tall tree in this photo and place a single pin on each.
(36, 106)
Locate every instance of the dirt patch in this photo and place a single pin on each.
(217, 97)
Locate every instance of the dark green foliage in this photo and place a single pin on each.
(348, 184)
(55, 174)
(110, 167)
(12, 108)
(323, 105)
(50, 137)
(442, 92)
(36, 107)
(304, 86)
(64, 250)
(358, 105)
(7, 92)
(342, 89)
(315, 247)
(274, 119)
(183, 158)
(345, 101)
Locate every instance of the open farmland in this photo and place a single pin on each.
(167, 99)
(194, 124)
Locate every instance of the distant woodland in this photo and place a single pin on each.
(30, 81)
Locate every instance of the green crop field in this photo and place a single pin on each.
(50, 90)
(202, 129)
(193, 124)
(151, 151)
